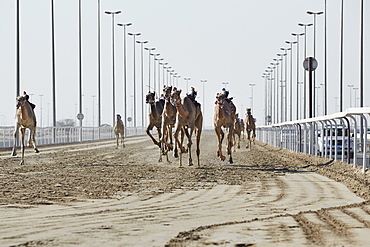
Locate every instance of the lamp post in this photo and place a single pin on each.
(187, 83)
(112, 13)
(154, 71)
(177, 80)
(304, 104)
(225, 83)
(277, 62)
(41, 109)
(350, 95)
(291, 43)
(99, 68)
(124, 69)
(163, 67)
(305, 56)
(252, 85)
(314, 48)
(159, 73)
(204, 109)
(134, 35)
(283, 82)
(286, 81)
(93, 109)
(149, 50)
(355, 88)
(142, 80)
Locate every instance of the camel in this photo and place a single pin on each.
(188, 118)
(238, 128)
(155, 119)
(119, 129)
(223, 117)
(250, 127)
(168, 122)
(25, 118)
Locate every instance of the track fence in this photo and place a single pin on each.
(341, 136)
(51, 135)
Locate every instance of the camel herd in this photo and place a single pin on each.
(183, 114)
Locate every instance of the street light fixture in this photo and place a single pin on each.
(304, 104)
(154, 71)
(124, 69)
(314, 48)
(163, 67)
(159, 73)
(142, 79)
(113, 13)
(291, 43)
(225, 83)
(187, 83)
(350, 95)
(305, 56)
(149, 50)
(252, 85)
(134, 77)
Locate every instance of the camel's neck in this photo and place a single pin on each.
(170, 110)
(180, 109)
(154, 111)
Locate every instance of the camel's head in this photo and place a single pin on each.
(220, 98)
(175, 96)
(150, 98)
(167, 91)
(21, 100)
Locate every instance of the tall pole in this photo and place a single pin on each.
(134, 76)
(159, 74)
(187, 83)
(314, 52)
(204, 100)
(113, 67)
(341, 60)
(325, 66)
(297, 35)
(163, 76)
(124, 70)
(362, 57)
(18, 74)
(99, 69)
(252, 85)
(154, 73)
(53, 67)
(350, 95)
(149, 50)
(305, 56)
(291, 77)
(224, 83)
(80, 64)
(142, 80)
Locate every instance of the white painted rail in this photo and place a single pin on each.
(303, 135)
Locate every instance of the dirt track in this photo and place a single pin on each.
(94, 195)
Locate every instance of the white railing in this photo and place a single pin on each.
(305, 135)
(51, 135)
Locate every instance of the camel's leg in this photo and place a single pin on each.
(199, 124)
(248, 138)
(189, 145)
(31, 140)
(230, 143)
(238, 140)
(148, 129)
(14, 152)
(160, 146)
(123, 139)
(22, 145)
(176, 137)
(117, 137)
(220, 137)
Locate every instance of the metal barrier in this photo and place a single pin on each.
(340, 135)
(51, 135)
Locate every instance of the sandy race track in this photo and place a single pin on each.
(91, 194)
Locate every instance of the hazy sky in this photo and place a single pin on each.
(215, 40)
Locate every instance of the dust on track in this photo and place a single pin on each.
(64, 176)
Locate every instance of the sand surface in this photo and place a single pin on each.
(91, 194)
